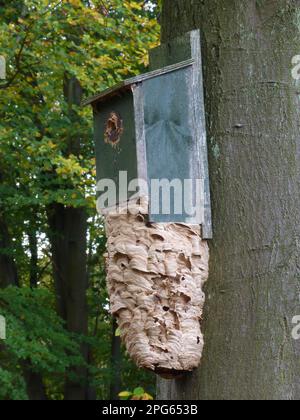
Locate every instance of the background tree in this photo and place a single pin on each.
(253, 109)
(51, 240)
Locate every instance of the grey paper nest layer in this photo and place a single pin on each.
(155, 276)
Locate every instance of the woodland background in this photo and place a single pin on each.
(61, 340)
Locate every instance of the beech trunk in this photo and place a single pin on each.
(253, 113)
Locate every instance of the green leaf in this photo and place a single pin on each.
(139, 391)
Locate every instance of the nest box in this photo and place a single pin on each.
(153, 128)
(150, 134)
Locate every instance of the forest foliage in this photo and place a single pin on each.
(46, 42)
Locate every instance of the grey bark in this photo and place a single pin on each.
(253, 110)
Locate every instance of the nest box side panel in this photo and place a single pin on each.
(115, 140)
(183, 48)
(170, 143)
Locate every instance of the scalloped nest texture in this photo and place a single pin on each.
(155, 276)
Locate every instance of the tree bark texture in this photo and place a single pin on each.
(253, 113)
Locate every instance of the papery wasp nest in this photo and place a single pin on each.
(155, 276)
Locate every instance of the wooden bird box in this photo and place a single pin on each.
(152, 127)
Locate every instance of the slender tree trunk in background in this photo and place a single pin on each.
(116, 356)
(8, 269)
(34, 383)
(68, 240)
(253, 114)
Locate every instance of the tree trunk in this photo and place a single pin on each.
(34, 383)
(116, 356)
(253, 113)
(68, 241)
(8, 270)
(68, 228)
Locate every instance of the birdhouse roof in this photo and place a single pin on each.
(127, 84)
